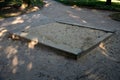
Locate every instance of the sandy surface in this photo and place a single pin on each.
(20, 61)
(68, 38)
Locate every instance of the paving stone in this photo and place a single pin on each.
(73, 40)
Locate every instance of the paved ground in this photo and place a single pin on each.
(20, 62)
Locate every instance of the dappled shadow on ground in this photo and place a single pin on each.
(85, 17)
(21, 59)
(9, 11)
(91, 18)
(18, 60)
(20, 23)
(110, 48)
(14, 10)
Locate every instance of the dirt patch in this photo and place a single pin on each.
(115, 16)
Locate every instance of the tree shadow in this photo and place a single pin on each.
(12, 8)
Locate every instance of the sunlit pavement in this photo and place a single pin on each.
(19, 62)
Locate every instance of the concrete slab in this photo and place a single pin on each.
(77, 23)
(68, 38)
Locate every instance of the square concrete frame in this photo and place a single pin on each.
(73, 41)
